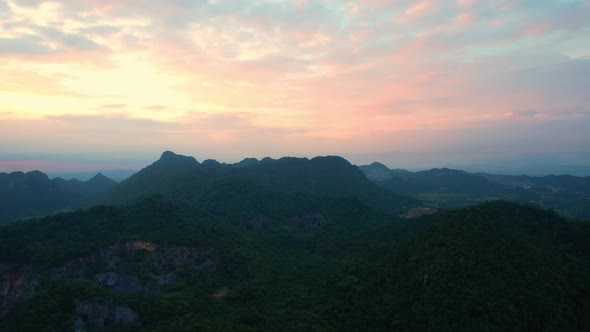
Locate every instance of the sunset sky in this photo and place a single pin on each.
(105, 84)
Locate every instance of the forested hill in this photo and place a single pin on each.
(268, 253)
(450, 188)
(33, 194)
(184, 178)
(290, 244)
(254, 260)
(496, 266)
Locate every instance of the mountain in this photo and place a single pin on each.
(244, 258)
(97, 185)
(449, 188)
(250, 259)
(25, 195)
(30, 194)
(496, 266)
(247, 162)
(376, 171)
(553, 182)
(290, 244)
(183, 178)
(116, 175)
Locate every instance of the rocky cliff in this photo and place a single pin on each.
(15, 280)
(95, 315)
(137, 267)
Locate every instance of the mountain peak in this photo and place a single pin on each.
(334, 159)
(247, 162)
(171, 156)
(99, 177)
(376, 171)
(379, 165)
(211, 163)
(37, 176)
(168, 155)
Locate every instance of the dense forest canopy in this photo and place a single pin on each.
(290, 244)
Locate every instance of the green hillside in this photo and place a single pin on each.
(497, 266)
(290, 244)
(183, 178)
(274, 252)
(449, 188)
(254, 260)
(33, 194)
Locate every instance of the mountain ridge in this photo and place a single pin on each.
(31, 194)
(451, 188)
(184, 178)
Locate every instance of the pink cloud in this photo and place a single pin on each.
(466, 3)
(415, 12)
(496, 22)
(466, 18)
(345, 71)
(419, 8)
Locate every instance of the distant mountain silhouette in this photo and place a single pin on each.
(554, 182)
(247, 162)
(449, 188)
(32, 194)
(184, 178)
(290, 244)
(377, 171)
(113, 174)
(97, 185)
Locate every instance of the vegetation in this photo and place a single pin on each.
(250, 247)
(33, 194)
(185, 179)
(497, 266)
(277, 269)
(450, 189)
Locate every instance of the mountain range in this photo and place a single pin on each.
(449, 188)
(186, 179)
(31, 194)
(295, 244)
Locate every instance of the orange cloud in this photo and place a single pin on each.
(241, 75)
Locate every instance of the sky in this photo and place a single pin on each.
(110, 84)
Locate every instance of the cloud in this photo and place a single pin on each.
(527, 114)
(30, 45)
(108, 121)
(67, 40)
(359, 75)
(111, 106)
(156, 107)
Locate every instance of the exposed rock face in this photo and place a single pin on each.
(15, 280)
(308, 221)
(124, 316)
(96, 315)
(142, 245)
(418, 212)
(75, 269)
(166, 279)
(79, 325)
(93, 314)
(124, 283)
(170, 259)
(220, 293)
(137, 267)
